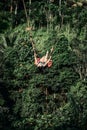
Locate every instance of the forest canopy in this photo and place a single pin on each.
(47, 98)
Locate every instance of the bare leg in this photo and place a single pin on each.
(44, 60)
(46, 57)
(47, 61)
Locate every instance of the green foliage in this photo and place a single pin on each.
(43, 98)
(79, 97)
(4, 22)
(28, 84)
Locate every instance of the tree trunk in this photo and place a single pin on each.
(60, 14)
(11, 7)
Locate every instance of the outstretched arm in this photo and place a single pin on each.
(35, 58)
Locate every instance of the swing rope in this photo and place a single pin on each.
(33, 46)
(26, 14)
(39, 62)
(29, 28)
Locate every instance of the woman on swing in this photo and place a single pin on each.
(44, 61)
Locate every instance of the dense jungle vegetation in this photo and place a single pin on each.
(52, 98)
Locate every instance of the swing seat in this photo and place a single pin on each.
(49, 64)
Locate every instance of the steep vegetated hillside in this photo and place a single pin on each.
(46, 98)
